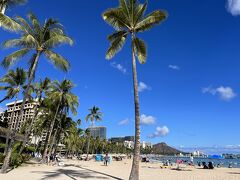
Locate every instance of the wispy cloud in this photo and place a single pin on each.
(233, 6)
(174, 67)
(123, 122)
(160, 132)
(143, 87)
(225, 93)
(1, 109)
(119, 67)
(147, 120)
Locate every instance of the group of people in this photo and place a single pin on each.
(52, 159)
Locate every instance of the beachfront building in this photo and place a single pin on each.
(2, 116)
(129, 144)
(98, 131)
(145, 144)
(14, 112)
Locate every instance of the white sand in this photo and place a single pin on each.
(91, 170)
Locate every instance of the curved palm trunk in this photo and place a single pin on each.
(53, 143)
(28, 132)
(135, 164)
(12, 137)
(50, 131)
(11, 119)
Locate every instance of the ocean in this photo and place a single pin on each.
(235, 163)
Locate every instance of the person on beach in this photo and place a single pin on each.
(106, 160)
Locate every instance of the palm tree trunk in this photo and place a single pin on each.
(2, 9)
(88, 145)
(5, 98)
(11, 120)
(53, 141)
(50, 130)
(135, 164)
(28, 132)
(12, 137)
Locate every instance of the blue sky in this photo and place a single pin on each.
(190, 83)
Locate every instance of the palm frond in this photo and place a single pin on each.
(9, 23)
(116, 46)
(57, 40)
(116, 18)
(140, 50)
(12, 58)
(59, 61)
(154, 18)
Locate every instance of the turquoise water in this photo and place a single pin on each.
(235, 163)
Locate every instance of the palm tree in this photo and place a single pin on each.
(128, 19)
(40, 39)
(61, 95)
(40, 87)
(15, 81)
(4, 4)
(94, 115)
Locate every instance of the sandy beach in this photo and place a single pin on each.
(92, 170)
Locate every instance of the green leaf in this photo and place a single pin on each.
(59, 61)
(140, 50)
(12, 58)
(150, 20)
(8, 23)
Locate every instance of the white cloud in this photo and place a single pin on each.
(225, 93)
(119, 67)
(174, 67)
(233, 6)
(143, 87)
(147, 120)
(123, 122)
(160, 131)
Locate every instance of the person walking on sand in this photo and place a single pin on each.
(106, 159)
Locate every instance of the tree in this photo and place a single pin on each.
(94, 115)
(5, 4)
(128, 19)
(61, 95)
(40, 39)
(15, 81)
(42, 86)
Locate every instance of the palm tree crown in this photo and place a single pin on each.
(94, 115)
(14, 80)
(40, 38)
(129, 19)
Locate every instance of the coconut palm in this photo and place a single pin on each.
(129, 19)
(40, 39)
(15, 82)
(65, 101)
(94, 115)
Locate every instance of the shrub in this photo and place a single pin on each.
(16, 160)
(30, 149)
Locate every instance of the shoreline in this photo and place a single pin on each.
(75, 169)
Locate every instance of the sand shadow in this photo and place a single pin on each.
(234, 173)
(72, 174)
(179, 169)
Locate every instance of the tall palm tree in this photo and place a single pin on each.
(15, 81)
(4, 4)
(94, 115)
(128, 19)
(40, 39)
(61, 95)
(40, 87)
